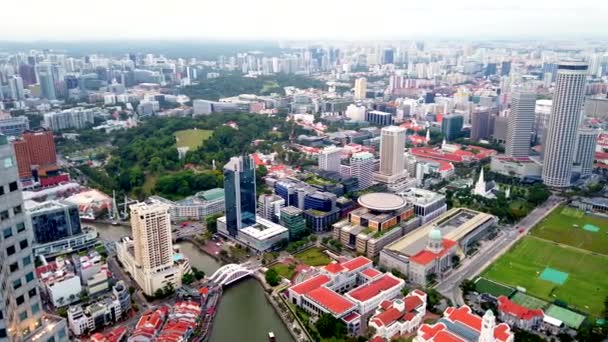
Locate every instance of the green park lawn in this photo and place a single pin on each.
(559, 227)
(284, 271)
(192, 138)
(585, 288)
(313, 257)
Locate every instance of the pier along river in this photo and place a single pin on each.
(244, 313)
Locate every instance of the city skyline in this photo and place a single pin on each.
(472, 18)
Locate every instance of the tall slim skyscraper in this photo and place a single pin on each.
(47, 83)
(392, 145)
(521, 124)
(360, 88)
(16, 86)
(20, 305)
(329, 158)
(563, 123)
(239, 188)
(585, 151)
(151, 226)
(480, 124)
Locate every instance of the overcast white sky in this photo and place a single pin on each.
(303, 19)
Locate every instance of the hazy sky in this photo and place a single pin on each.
(303, 19)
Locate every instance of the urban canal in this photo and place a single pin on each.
(244, 313)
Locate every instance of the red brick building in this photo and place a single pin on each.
(34, 149)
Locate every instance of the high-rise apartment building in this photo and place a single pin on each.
(239, 189)
(153, 245)
(362, 168)
(392, 145)
(329, 158)
(521, 124)
(149, 257)
(360, 88)
(563, 124)
(585, 151)
(20, 305)
(541, 121)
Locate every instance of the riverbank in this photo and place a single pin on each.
(270, 293)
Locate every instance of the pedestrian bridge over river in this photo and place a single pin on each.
(230, 273)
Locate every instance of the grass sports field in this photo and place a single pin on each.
(192, 138)
(313, 257)
(585, 288)
(559, 227)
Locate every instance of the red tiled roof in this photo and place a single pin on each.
(371, 272)
(351, 316)
(412, 302)
(463, 315)
(356, 263)
(310, 284)
(601, 155)
(428, 331)
(425, 256)
(330, 300)
(387, 317)
(502, 332)
(386, 304)
(334, 267)
(374, 288)
(446, 336)
(514, 309)
(378, 339)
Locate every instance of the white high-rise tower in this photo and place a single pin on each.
(392, 145)
(360, 88)
(563, 123)
(521, 124)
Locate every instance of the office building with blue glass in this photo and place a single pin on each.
(239, 189)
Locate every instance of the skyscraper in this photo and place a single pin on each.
(360, 88)
(480, 124)
(47, 84)
(392, 144)
(362, 168)
(239, 188)
(563, 124)
(16, 86)
(585, 151)
(329, 158)
(451, 126)
(151, 226)
(521, 124)
(20, 305)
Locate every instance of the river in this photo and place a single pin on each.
(244, 313)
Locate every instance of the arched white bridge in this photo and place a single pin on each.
(230, 273)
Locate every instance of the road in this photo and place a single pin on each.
(491, 250)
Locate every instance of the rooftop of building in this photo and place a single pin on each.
(460, 324)
(519, 311)
(420, 196)
(375, 287)
(263, 229)
(381, 201)
(330, 300)
(310, 284)
(401, 309)
(424, 257)
(453, 225)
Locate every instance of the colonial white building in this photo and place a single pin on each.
(347, 290)
(399, 316)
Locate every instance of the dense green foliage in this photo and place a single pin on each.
(145, 158)
(328, 326)
(272, 277)
(234, 84)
